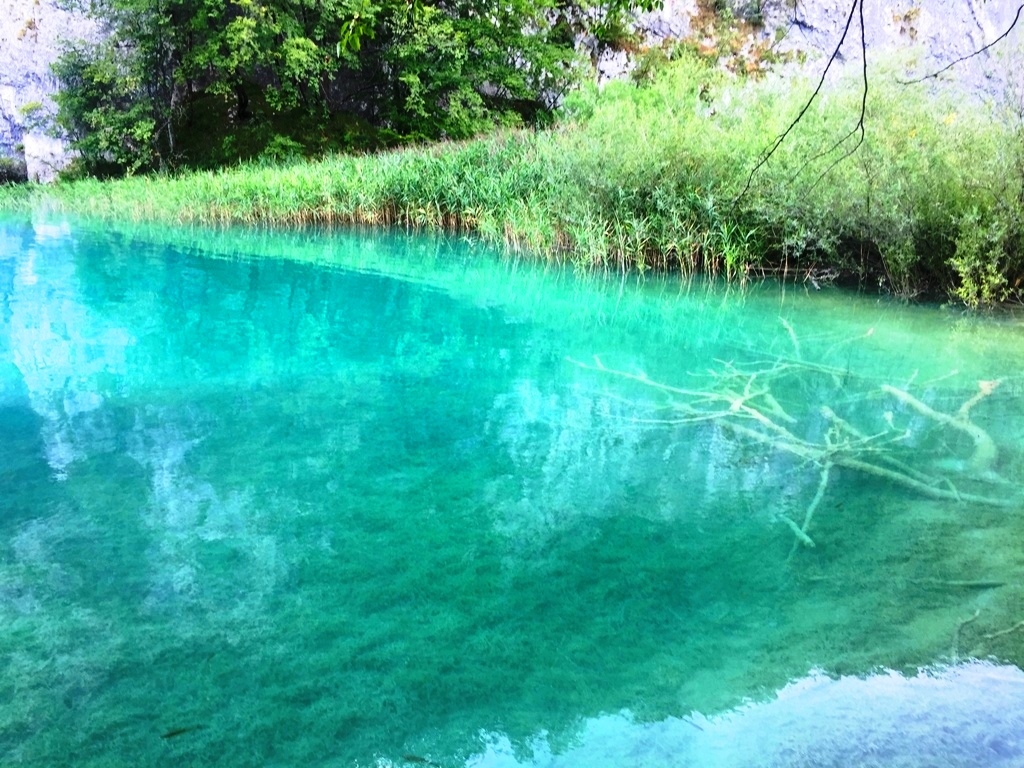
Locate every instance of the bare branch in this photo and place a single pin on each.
(955, 653)
(741, 402)
(993, 635)
(985, 451)
(863, 106)
(766, 155)
(801, 533)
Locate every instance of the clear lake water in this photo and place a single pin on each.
(379, 500)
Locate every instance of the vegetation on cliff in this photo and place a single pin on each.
(200, 83)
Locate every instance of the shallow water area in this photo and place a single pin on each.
(338, 499)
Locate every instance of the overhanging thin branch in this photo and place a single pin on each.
(767, 154)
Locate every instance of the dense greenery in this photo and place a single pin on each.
(197, 83)
(641, 177)
(12, 170)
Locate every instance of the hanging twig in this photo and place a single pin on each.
(859, 127)
(767, 154)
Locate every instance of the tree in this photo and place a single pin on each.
(242, 74)
(118, 96)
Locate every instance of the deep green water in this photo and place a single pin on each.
(340, 500)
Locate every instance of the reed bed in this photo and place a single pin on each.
(635, 178)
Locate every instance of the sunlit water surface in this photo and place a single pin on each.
(339, 500)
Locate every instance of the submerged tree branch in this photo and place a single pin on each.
(985, 452)
(802, 537)
(740, 400)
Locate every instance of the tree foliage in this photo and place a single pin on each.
(202, 82)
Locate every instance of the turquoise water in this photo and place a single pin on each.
(362, 500)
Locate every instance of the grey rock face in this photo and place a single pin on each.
(30, 35)
(671, 22)
(933, 34)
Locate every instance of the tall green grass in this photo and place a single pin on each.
(656, 177)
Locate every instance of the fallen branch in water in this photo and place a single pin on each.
(978, 584)
(1009, 630)
(960, 583)
(985, 452)
(955, 648)
(989, 637)
(802, 536)
(800, 533)
(742, 402)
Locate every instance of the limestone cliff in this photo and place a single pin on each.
(931, 33)
(30, 35)
(934, 33)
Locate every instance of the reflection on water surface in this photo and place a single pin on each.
(967, 715)
(337, 500)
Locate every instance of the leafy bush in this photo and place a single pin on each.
(240, 73)
(104, 109)
(902, 207)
